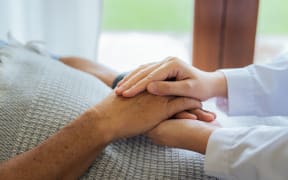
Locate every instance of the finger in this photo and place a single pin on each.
(132, 73)
(161, 73)
(185, 115)
(203, 115)
(134, 77)
(181, 104)
(171, 88)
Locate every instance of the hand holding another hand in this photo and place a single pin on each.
(187, 81)
(127, 117)
(173, 77)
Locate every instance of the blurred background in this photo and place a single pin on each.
(140, 31)
(124, 34)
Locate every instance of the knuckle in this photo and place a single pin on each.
(149, 77)
(189, 85)
(173, 60)
(170, 60)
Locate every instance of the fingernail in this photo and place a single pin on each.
(210, 118)
(126, 92)
(119, 89)
(118, 92)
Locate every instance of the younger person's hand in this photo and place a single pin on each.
(183, 133)
(187, 81)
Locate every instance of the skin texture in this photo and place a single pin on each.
(108, 75)
(100, 71)
(186, 134)
(69, 152)
(141, 113)
(188, 81)
(174, 77)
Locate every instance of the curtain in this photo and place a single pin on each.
(67, 27)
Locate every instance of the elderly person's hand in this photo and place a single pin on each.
(68, 153)
(127, 117)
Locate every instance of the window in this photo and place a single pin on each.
(141, 31)
(272, 35)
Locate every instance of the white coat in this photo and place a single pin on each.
(251, 153)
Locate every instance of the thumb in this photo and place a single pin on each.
(171, 88)
(181, 104)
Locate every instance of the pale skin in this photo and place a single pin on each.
(188, 82)
(108, 75)
(68, 153)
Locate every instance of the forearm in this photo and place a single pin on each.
(183, 133)
(65, 155)
(100, 71)
(197, 143)
(218, 84)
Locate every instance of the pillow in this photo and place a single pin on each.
(40, 95)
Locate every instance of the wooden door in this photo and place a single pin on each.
(224, 33)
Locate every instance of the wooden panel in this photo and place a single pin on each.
(207, 34)
(240, 32)
(224, 33)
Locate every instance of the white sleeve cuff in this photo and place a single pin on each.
(218, 152)
(240, 92)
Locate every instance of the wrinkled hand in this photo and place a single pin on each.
(186, 134)
(127, 117)
(189, 81)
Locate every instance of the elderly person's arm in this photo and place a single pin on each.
(111, 78)
(68, 153)
(98, 70)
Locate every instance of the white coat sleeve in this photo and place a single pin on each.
(258, 89)
(248, 153)
(252, 152)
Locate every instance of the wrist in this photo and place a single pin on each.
(194, 136)
(199, 142)
(205, 139)
(219, 84)
(101, 130)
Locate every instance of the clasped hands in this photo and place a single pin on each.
(169, 112)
